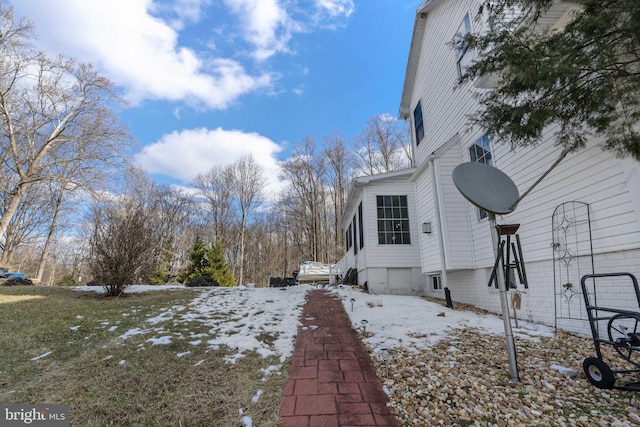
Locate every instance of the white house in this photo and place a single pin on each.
(381, 234)
(584, 217)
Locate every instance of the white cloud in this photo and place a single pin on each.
(336, 8)
(184, 10)
(140, 52)
(139, 44)
(185, 154)
(265, 24)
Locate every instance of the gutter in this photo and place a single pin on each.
(437, 190)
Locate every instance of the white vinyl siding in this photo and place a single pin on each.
(373, 260)
(591, 176)
(390, 255)
(429, 243)
(444, 113)
(459, 245)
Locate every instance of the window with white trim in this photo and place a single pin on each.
(393, 220)
(436, 282)
(480, 151)
(418, 122)
(465, 56)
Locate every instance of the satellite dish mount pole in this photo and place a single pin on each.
(504, 303)
(493, 191)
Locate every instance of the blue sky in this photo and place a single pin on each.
(211, 80)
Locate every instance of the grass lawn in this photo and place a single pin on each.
(64, 346)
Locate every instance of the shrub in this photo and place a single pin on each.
(123, 245)
(70, 279)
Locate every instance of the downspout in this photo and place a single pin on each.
(437, 190)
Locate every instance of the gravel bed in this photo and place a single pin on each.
(464, 380)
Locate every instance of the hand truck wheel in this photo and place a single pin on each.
(598, 373)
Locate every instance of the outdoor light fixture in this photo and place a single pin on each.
(426, 227)
(364, 325)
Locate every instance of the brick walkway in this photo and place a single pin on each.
(332, 381)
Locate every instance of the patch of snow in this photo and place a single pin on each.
(248, 422)
(183, 354)
(113, 328)
(132, 289)
(134, 331)
(122, 362)
(75, 328)
(563, 369)
(252, 320)
(42, 355)
(414, 323)
(164, 340)
(257, 396)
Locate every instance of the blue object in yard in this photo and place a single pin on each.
(18, 275)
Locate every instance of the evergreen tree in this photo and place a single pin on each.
(583, 77)
(218, 267)
(208, 262)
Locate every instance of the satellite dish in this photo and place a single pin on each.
(486, 187)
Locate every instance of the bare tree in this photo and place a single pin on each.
(214, 190)
(28, 224)
(248, 184)
(174, 211)
(340, 164)
(305, 199)
(383, 145)
(52, 112)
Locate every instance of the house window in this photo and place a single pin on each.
(355, 239)
(436, 283)
(465, 56)
(348, 238)
(360, 229)
(417, 122)
(480, 151)
(393, 220)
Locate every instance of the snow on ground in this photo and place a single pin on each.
(265, 320)
(131, 289)
(415, 323)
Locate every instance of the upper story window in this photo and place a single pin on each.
(417, 122)
(480, 151)
(465, 56)
(393, 220)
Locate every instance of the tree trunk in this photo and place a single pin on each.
(47, 243)
(7, 215)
